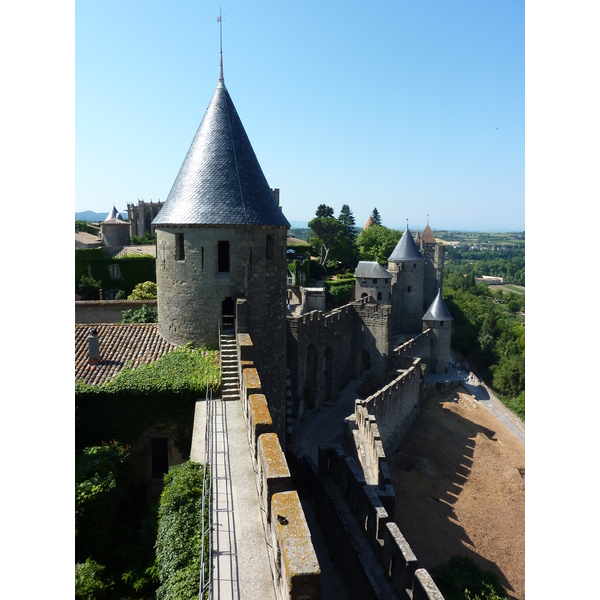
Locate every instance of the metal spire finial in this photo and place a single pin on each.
(221, 80)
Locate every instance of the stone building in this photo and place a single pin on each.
(221, 237)
(114, 231)
(373, 281)
(141, 216)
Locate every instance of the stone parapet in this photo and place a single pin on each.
(273, 472)
(259, 422)
(424, 587)
(106, 311)
(297, 570)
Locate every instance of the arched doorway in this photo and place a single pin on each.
(310, 377)
(228, 312)
(327, 372)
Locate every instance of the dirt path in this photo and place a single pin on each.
(459, 478)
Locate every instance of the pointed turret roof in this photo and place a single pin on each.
(417, 237)
(406, 249)
(113, 214)
(220, 181)
(371, 269)
(428, 237)
(438, 311)
(368, 223)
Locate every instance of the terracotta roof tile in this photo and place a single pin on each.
(138, 344)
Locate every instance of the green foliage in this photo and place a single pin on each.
(376, 243)
(91, 583)
(317, 271)
(121, 295)
(323, 211)
(134, 269)
(98, 469)
(142, 315)
(89, 288)
(300, 233)
(143, 240)
(461, 576)
(161, 392)
(339, 292)
(326, 230)
(179, 539)
(87, 227)
(143, 291)
(375, 217)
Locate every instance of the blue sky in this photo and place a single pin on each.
(415, 108)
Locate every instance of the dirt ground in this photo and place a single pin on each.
(459, 478)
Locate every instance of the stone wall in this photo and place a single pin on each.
(367, 548)
(192, 293)
(294, 564)
(106, 311)
(395, 406)
(419, 346)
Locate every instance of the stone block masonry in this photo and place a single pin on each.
(294, 565)
(106, 311)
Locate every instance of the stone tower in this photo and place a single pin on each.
(434, 265)
(439, 320)
(407, 267)
(221, 236)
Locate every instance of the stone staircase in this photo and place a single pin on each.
(230, 382)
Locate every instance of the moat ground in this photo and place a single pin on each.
(459, 477)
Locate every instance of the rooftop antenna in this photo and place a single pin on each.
(427, 218)
(221, 80)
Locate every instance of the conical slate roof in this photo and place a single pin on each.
(113, 214)
(428, 237)
(220, 181)
(438, 311)
(406, 249)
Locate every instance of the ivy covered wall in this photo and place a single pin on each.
(95, 262)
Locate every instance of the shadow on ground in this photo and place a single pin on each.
(429, 471)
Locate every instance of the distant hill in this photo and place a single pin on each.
(90, 215)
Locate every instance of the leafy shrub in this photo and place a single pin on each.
(143, 291)
(461, 576)
(339, 292)
(121, 295)
(179, 540)
(98, 469)
(142, 315)
(89, 288)
(91, 583)
(141, 240)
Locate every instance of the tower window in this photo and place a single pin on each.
(408, 289)
(415, 266)
(223, 256)
(270, 246)
(374, 280)
(379, 296)
(179, 247)
(203, 258)
(441, 322)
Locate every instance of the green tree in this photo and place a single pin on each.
(375, 217)
(91, 583)
(323, 211)
(143, 291)
(346, 218)
(326, 230)
(89, 288)
(376, 243)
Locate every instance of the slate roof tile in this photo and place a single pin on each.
(220, 181)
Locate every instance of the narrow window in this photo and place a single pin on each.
(441, 323)
(408, 288)
(223, 257)
(374, 280)
(415, 266)
(179, 248)
(364, 280)
(203, 258)
(270, 246)
(379, 296)
(250, 257)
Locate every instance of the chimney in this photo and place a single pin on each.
(94, 347)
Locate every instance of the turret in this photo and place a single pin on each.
(439, 320)
(222, 237)
(407, 267)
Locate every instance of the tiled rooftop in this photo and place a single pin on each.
(138, 343)
(135, 251)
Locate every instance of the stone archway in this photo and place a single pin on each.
(228, 312)
(310, 377)
(365, 361)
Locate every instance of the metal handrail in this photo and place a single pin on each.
(206, 582)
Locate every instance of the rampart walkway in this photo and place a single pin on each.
(239, 552)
